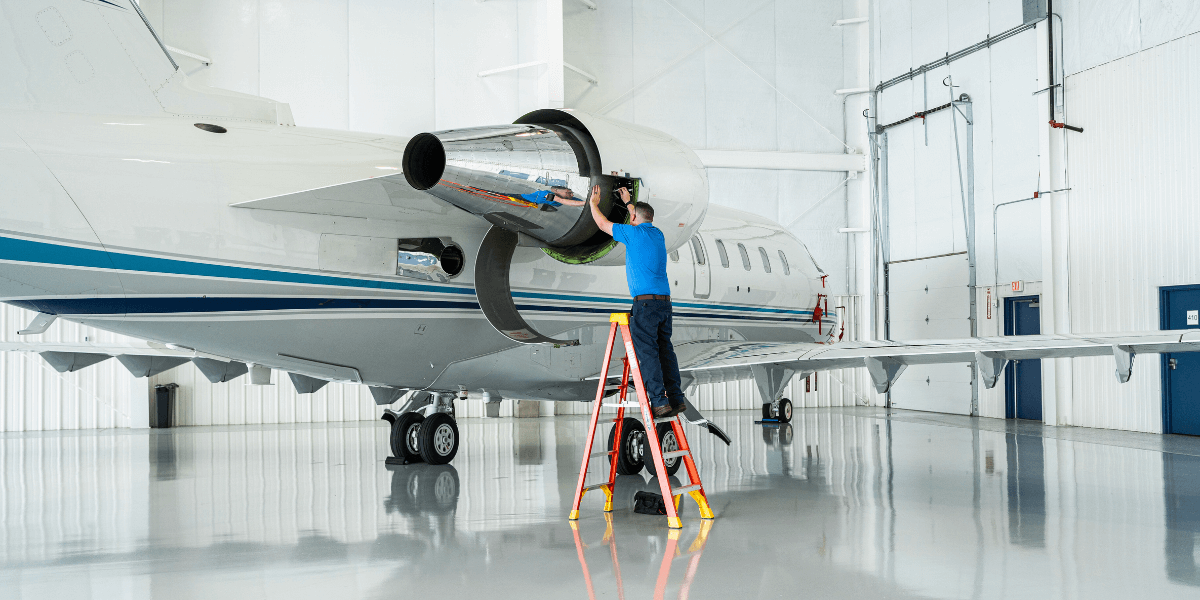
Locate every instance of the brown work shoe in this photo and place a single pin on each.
(662, 411)
(677, 409)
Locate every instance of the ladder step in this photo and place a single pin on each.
(679, 491)
(665, 419)
(605, 453)
(667, 455)
(621, 405)
(595, 487)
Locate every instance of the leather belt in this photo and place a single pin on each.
(652, 297)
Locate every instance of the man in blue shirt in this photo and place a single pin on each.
(650, 321)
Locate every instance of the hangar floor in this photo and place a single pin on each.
(843, 503)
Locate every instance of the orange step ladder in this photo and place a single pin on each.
(695, 489)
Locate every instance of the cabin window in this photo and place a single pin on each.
(783, 259)
(674, 256)
(724, 255)
(745, 256)
(698, 250)
(766, 261)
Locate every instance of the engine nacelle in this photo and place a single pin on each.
(507, 175)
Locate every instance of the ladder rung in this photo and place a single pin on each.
(667, 455)
(621, 405)
(605, 453)
(679, 491)
(595, 487)
(665, 419)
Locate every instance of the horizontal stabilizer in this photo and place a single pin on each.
(711, 362)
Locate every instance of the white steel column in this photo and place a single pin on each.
(550, 92)
(1055, 308)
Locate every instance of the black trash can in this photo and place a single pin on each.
(162, 406)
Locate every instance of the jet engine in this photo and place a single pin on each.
(526, 179)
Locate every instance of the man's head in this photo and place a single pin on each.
(562, 192)
(642, 213)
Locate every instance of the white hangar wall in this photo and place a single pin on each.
(1132, 205)
(929, 298)
(1130, 78)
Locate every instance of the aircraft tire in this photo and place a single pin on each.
(785, 410)
(438, 439)
(666, 443)
(631, 458)
(404, 440)
(767, 412)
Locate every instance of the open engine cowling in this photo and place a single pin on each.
(507, 174)
(497, 172)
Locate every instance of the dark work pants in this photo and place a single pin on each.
(650, 325)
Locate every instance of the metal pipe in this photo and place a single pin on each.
(996, 235)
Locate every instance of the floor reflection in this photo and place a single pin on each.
(838, 503)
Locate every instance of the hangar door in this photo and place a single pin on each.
(1180, 309)
(928, 299)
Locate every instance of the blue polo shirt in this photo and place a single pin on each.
(645, 258)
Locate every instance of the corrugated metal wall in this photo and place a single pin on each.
(1133, 212)
(37, 398)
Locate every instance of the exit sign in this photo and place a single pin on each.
(1018, 286)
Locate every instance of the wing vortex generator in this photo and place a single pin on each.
(507, 174)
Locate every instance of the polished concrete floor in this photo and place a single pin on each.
(843, 503)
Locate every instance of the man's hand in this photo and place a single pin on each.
(601, 221)
(624, 193)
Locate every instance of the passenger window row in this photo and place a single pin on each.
(745, 255)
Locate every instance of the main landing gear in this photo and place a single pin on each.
(633, 455)
(423, 430)
(779, 412)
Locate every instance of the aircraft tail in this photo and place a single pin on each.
(101, 56)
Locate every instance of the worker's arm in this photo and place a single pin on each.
(601, 221)
(570, 201)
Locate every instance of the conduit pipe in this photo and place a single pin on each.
(996, 234)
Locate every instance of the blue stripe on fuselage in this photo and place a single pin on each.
(22, 250)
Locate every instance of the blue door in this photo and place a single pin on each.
(1023, 378)
(1181, 372)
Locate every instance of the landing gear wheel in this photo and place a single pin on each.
(405, 431)
(767, 412)
(785, 410)
(438, 439)
(668, 443)
(631, 458)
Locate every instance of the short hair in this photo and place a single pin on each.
(559, 188)
(645, 210)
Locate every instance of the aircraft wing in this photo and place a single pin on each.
(142, 359)
(712, 361)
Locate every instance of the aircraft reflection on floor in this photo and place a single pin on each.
(840, 503)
